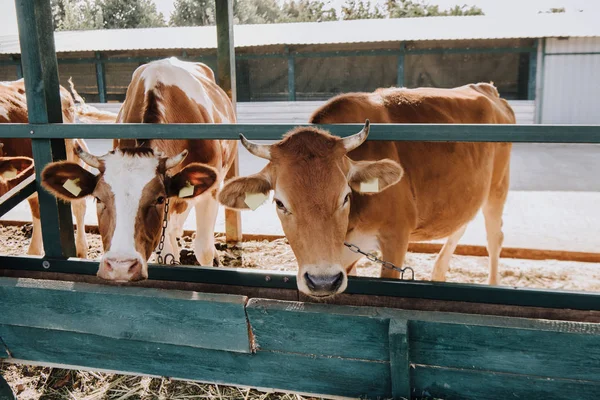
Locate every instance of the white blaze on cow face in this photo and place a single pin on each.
(126, 176)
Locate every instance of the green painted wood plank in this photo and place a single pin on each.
(212, 321)
(36, 35)
(399, 362)
(282, 371)
(100, 78)
(399, 132)
(531, 82)
(6, 392)
(225, 48)
(459, 292)
(349, 332)
(509, 350)
(17, 194)
(448, 384)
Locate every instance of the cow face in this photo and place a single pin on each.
(130, 192)
(314, 183)
(13, 170)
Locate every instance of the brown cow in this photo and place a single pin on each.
(13, 109)
(424, 190)
(133, 183)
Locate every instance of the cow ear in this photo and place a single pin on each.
(370, 177)
(245, 192)
(14, 169)
(191, 181)
(68, 180)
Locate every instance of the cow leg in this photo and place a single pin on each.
(393, 249)
(178, 213)
(494, 207)
(81, 245)
(36, 246)
(206, 217)
(442, 261)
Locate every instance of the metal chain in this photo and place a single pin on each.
(161, 243)
(385, 264)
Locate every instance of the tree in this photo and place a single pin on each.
(73, 15)
(125, 14)
(193, 13)
(418, 8)
(359, 9)
(307, 11)
(257, 11)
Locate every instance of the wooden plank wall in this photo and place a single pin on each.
(311, 348)
(298, 112)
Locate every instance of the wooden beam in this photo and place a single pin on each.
(291, 75)
(17, 194)
(400, 70)
(36, 35)
(399, 359)
(226, 80)
(100, 78)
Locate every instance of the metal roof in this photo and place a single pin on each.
(383, 30)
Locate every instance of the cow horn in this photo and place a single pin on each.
(259, 150)
(352, 142)
(89, 159)
(176, 160)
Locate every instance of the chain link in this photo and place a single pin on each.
(385, 264)
(169, 258)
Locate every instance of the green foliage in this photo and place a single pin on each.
(193, 13)
(124, 14)
(359, 9)
(419, 8)
(257, 11)
(74, 15)
(307, 11)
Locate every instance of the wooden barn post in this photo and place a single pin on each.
(40, 70)
(226, 79)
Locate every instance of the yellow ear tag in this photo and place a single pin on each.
(72, 186)
(255, 200)
(370, 186)
(9, 174)
(187, 190)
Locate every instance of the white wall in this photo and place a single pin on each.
(571, 82)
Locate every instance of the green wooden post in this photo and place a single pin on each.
(226, 79)
(44, 106)
(6, 392)
(399, 361)
(400, 74)
(100, 78)
(19, 69)
(291, 75)
(539, 98)
(532, 73)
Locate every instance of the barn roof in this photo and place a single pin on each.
(358, 31)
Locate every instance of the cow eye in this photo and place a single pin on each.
(280, 205)
(347, 198)
(160, 200)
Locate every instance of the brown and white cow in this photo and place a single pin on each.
(424, 190)
(13, 109)
(135, 181)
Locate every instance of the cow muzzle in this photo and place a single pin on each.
(122, 269)
(321, 281)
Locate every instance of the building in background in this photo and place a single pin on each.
(548, 65)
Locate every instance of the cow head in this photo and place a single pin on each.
(130, 192)
(13, 170)
(314, 183)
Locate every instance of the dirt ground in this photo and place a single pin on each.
(33, 383)
(277, 255)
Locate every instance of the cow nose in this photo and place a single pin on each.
(326, 284)
(121, 269)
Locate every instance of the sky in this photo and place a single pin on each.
(500, 8)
